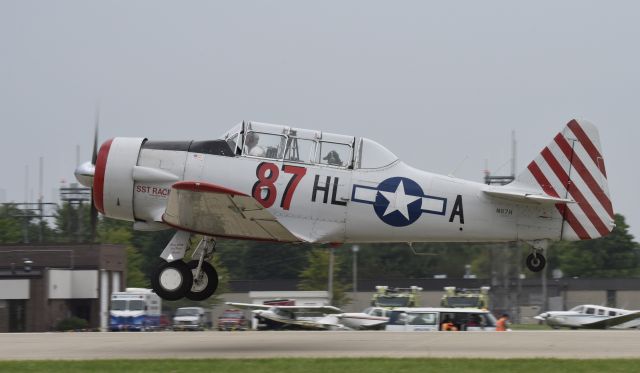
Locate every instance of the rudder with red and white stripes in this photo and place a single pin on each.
(572, 167)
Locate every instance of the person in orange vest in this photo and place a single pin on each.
(448, 326)
(501, 324)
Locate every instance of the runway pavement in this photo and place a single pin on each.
(183, 345)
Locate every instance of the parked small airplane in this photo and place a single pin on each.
(591, 317)
(372, 318)
(276, 183)
(316, 317)
(288, 317)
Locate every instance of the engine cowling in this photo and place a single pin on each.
(113, 181)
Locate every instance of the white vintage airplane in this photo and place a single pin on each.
(589, 316)
(276, 183)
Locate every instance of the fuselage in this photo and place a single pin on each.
(320, 203)
(582, 316)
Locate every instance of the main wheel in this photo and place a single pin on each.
(206, 285)
(536, 262)
(172, 280)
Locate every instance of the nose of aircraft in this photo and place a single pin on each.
(542, 316)
(84, 174)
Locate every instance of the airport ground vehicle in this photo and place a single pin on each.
(466, 298)
(387, 297)
(191, 318)
(232, 319)
(431, 319)
(135, 309)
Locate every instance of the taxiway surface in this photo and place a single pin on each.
(202, 345)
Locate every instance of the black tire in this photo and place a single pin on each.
(536, 262)
(177, 268)
(209, 278)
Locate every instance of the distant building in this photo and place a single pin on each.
(40, 285)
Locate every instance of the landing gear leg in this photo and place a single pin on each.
(205, 277)
(536, 260)
(172, 279)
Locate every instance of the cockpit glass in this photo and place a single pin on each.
(578, 309)
(300, 150)
(335, 154)
(374, 155)
(232, 141)
(264, 145)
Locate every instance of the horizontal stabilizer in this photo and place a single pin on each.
(528, 197)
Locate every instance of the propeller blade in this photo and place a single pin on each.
(94, 156)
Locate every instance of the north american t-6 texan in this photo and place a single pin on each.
(276, 183)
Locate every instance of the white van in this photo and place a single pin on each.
(431, 319)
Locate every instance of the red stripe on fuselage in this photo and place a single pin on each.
(562, 208)
(575, 192)
(584, 174)
(98, 180)
(588, 145)
(197, 186)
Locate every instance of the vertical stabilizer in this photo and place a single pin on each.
(572, 167)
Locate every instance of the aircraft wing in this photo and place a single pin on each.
(527, 197)
(217, 211)
(249, 306)
(296, 309)
(298, 324)
(612, 321)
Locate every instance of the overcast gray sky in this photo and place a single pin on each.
(440, 84)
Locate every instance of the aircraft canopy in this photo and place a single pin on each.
(273, 141)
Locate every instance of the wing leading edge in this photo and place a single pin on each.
(213, 210)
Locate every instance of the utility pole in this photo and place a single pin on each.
(355, 249)
(505, 250)
(330, 284)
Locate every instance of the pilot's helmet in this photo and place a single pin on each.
(252, 138)
(333, 158)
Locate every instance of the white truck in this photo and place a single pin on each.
(192, 318)
(135, 309)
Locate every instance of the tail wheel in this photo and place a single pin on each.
(204, 286)
(536, 262)
(171, 281)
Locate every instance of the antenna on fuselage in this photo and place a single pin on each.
(455, 170)
(413, 249)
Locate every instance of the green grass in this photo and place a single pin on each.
(328, 365)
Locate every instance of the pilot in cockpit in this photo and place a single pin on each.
(333, 158)
(251, 146)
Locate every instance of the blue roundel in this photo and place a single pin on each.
(398, 201)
